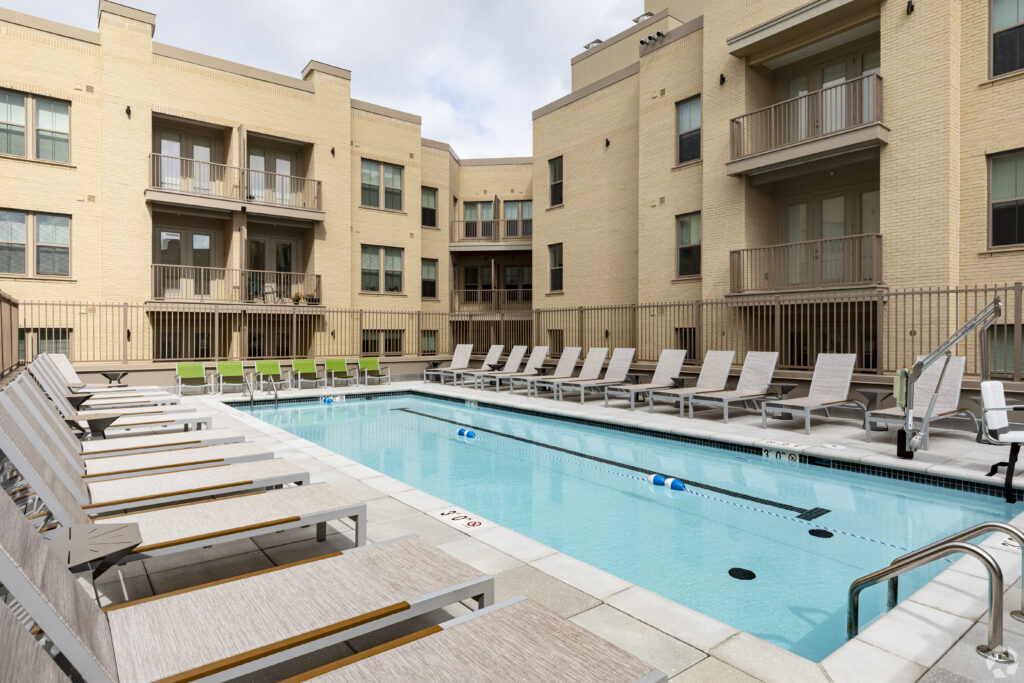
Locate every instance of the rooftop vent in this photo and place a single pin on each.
(595, 41)
(643, 17)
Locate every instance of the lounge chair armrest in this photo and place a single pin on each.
(1015, 407)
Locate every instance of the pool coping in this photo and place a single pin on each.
(886, 644)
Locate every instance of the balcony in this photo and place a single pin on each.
(843, 262)
(492, 234)
(492, 300)
(229, 285)
(179, 180)
(837, 120)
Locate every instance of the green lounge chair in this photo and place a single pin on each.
(230, 373)
(192, 375)
(371, 368)
(337, 370)
(304, 370)
(269, 372)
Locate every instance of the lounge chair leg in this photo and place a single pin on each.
(321, 531)
(807, 422)
(725, 412)
(484, 599)
(632, 400)
(360, 522)
(764, 417)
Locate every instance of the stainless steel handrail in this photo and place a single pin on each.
(948, 546)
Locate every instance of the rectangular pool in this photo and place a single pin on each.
(583, 490)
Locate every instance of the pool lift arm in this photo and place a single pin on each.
(909, 439)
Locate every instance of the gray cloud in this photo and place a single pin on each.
(473, 69)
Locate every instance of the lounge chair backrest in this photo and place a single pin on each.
(593, 363)
(992, 399)
(833, 373)
(670, 362)
(567, 362)
(337, 365)
(231, 368)
(714, 372)
(492, 357)
(461, 356)
(515, 359)
(536, 359)
(618, 366)
(192, 370)
(22, 658)
(371, 364)
(38, 578)
(57, 396)
(49, 422)
(60, 362)
(304, 366)
(756, 375)
(949, 393)
(47, 441)
(268, 367)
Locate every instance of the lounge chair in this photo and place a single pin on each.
(513, 639)
(22, 657)
(459, 361)
(370, 367)
(46, 375)
(490, 361)
(830, 388)
(60, 363)
(305, 370)
(336, 370)
(532, 369)
(79, 387)
(563, 370)
(947, 403)
(670, 362)
(234, 627)
(269, 372)
(192, 375)
(618, 369)
(512, 364)
(998, 432)
(714, 373)
(229, 374)
(591, 369)
(755, 379)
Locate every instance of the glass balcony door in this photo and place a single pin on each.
(833, 99)
(170, 161)
(271, 266)
(185, 264)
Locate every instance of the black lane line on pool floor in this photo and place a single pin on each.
(803, 513)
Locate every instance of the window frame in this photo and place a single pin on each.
(37, 243)
(25, 253)
(364, 249)
(26, 135)
(36, 128)
(424, 281)
(381, 187)
(423, 209)
(1019, 26)
(691, 245)
(560, 183)
(31, 244)
(30, 130)
(1019, 201)
(680, 133)
(381, 271)
(560, 268)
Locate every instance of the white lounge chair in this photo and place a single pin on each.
(490, 361)
(459, 361)
(714, 373)
(830, 388)
(532, 367)
(60, 363)
(591, 369)
(54, 386)
(618, 369)
(947, 402)
(22, 657)
(755, 378)
(997, 431)
(670, 362)
(563, 370)
(512, 364)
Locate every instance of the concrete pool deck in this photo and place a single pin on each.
(930, 636)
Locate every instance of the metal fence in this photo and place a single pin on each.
(885, 330)
(8, 334)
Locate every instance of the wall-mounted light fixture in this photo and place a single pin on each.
(332, 151)
(910, 7)
(650, 39)
(721, 79)
(659, 34)
(128, 334)
(643, 42)
(607, 142)
(128, 111)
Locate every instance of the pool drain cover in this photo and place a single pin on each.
(820, 533)
(741, 574)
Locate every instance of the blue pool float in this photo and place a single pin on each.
(470, 434)
(657, 479)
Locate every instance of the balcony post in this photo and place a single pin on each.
(777, 324)
(124, 333)
(1018, 299)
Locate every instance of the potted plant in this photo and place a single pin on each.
(296, 298)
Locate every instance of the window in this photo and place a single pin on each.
(52, 130)
(392, 269)
(555, 179)
(429, 278)
(686, 338)
(370, 269)
(1007, 193)
(392, 187)
(688, 244)
(53, 245)
(371, 342)
(428, 342)
(555, 264)
(371, 183)
(12, 123)
(371, 174)
(477, 282)
(371, 259)
(12, 242)
(33, 341)
(519, 218)
(429, 207)
(1007, 36)
(556, 342)
(479, 219)
(393, 342)
(688, 129)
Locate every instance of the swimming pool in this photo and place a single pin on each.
(583, 490)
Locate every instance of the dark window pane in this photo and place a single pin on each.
(1006, 219)
(392, 199)
(429, 217)
(371, 281)
(370, 195)
(556, 194)
(12, 258)
(556, 280)
(1008, 51)
(52, 260)
(689, 146)
(689, 260)
(429, 289)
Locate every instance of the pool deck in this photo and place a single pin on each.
(930, 636)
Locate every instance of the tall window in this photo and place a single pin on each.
(429, 278)
(688, 129)
(12, 242)
(555, 264)
(371, 342)
(428, 342)
(53, 245)
(392, 187)
(429, 210)
(370, 195)
(1007, 193)
(52, 130)
(372, 257)
(688, 244)
(393, 342)
(392, 269)
(1007, 36)
(370, 269)
(12, 123)
(371, 173)
(555, 179)
(556, 342)
(519, 218)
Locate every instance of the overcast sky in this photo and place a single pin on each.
(473, 69)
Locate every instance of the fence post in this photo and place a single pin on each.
(216, 334)
(777, 325)
(1018, 296)
(124, 333)
(579, 328)
(879, 333)
(293, 345)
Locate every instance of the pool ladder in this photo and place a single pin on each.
(250, 385)
(957, 543)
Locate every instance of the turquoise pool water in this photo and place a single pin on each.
(742, 511)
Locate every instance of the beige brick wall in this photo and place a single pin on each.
(601, 60)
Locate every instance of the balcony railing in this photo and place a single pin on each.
(817, 114)
(840, 262)
(480, 300)
(202, 283)
(493, 230)
(203, 178)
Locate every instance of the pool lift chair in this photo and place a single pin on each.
(909, 438)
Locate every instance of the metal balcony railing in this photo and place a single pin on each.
(474, 300)
(844, 261)
(202, 283)
(828, 111)
(492, 230)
